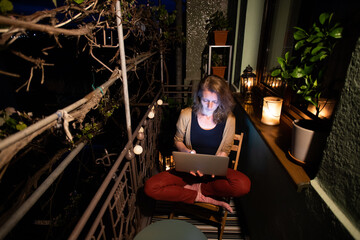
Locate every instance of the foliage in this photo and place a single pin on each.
(107, 107)
(217, 22)
(5, 6)
(12, 122)
(77, 25)
(217, 59)
(166, 22)
(304, 69)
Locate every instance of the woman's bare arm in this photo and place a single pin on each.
(181, 147)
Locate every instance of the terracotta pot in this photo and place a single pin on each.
(219, 71)
(220, 37)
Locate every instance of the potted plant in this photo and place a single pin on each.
(218, 25)
(303, 70)
(218, 67)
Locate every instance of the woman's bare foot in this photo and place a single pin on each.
(201, 198)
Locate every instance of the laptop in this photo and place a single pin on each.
(207, 164)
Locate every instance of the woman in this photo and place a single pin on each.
(207, 128)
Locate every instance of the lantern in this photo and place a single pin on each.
(247, 83)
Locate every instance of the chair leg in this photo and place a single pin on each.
(223, 223)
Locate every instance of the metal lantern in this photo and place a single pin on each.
(248, 79)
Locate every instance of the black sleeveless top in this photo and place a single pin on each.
(205, 141)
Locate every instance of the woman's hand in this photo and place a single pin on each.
(224, 154)
(182, 148)
(200, 174)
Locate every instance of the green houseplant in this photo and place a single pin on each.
(303, 70)
(217, 25)
(218, 65)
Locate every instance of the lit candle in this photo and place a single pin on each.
(271, 110)
(326, 108)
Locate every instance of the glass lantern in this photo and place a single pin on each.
(248, 79)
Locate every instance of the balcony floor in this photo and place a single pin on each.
(233, 229)
(154, 211)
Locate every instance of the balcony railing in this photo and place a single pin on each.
(113, 213)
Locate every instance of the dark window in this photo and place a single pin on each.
(280, 16)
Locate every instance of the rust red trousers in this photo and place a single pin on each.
(169, 186)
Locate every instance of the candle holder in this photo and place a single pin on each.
(326, 108)
(271, 110)
(247, 83)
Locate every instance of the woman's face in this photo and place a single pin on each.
(209, 102)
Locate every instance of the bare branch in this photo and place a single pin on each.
(10, 74)
(40, 27)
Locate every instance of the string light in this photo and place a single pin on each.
(138, 149)
(151, 114)
(160, 102)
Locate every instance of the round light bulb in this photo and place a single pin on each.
(138, 149)
(151, 114)
(159, 102)
(129, 155)
(140, 135)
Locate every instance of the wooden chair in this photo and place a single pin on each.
(207, 211)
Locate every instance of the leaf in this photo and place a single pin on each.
(312, 38)
(320, 35)
(54, 2)
(336, 33)
(21, 126)
(315, 50)
(285, 75)
(276, 72)
(281, 61)
(6, 6)
(317, 40)
(323, 17)
(307, 50)
(300, 34)
(298, 73)
(308, 69)
(315, 83)
(309, 99)
(306, 81)
(299, 44)
(320, 56)
(287, 54)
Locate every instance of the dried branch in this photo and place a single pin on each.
(39, 63)
(40, 27)
(9, 74)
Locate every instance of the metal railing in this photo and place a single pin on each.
(118, 215)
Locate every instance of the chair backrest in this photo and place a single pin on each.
(236, 147)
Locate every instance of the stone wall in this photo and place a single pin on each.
(339, 172)
(197, 12)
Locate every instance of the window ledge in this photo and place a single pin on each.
(278, 139)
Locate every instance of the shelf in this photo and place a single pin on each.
(229, 61)
(277, 139)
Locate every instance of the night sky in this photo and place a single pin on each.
(27, 7)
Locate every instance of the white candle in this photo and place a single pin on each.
(271, 110)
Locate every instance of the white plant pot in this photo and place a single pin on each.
(308, 141)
